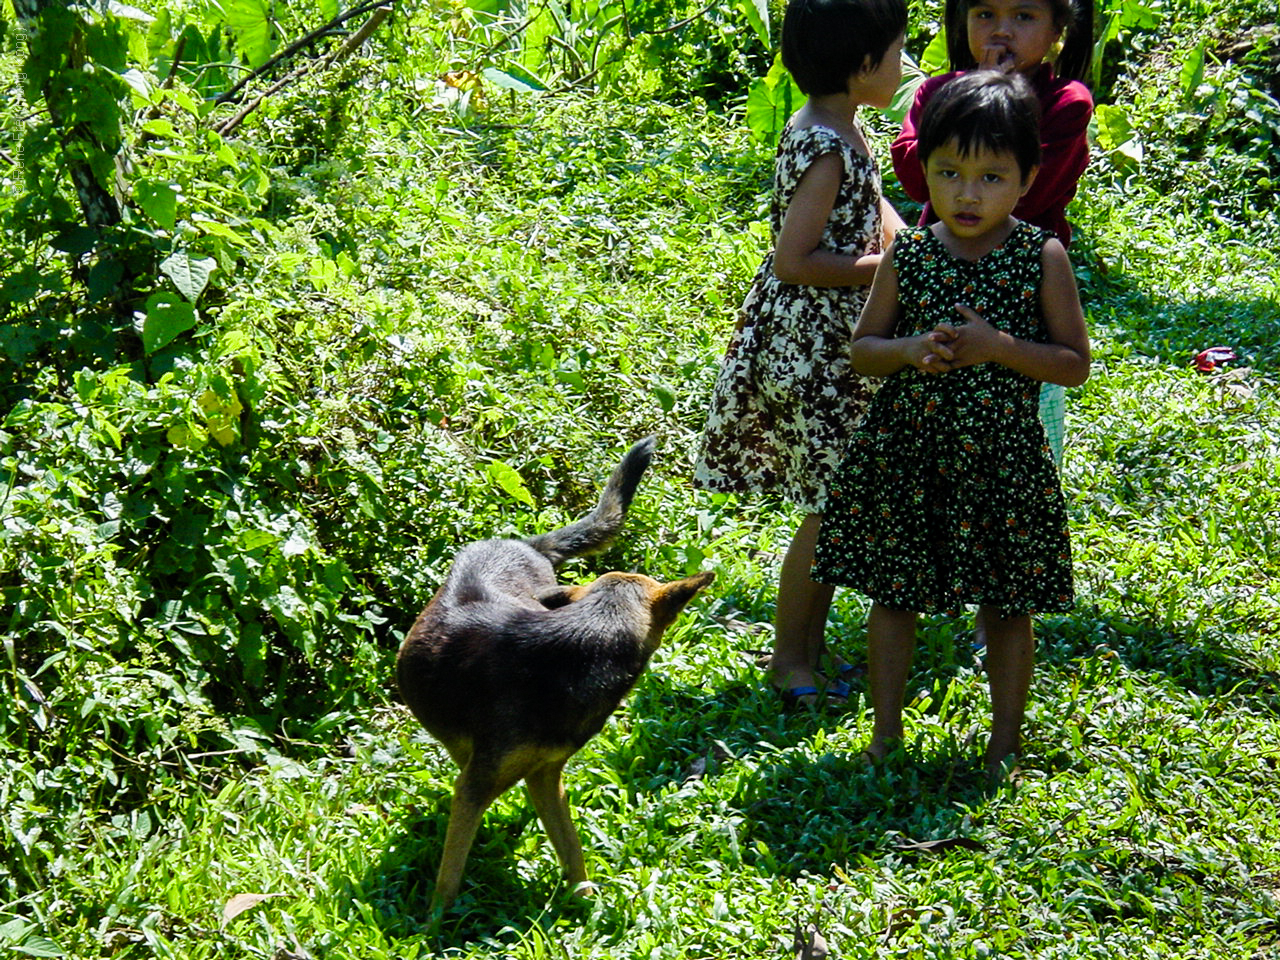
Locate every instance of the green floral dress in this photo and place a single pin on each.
(948, 494)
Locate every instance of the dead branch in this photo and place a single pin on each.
(353, 42)
(298, 45)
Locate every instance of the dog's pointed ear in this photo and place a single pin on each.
(670, 598)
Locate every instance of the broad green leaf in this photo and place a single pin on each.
(506, 477)
(514, 78)
(250, 21)
(912, 78)
(1192, 73)
(770, 101)
(104, 277)
(160, 33)
(1116, 135)
(187, 437)
(757, 14)
(329, 9)
(127, 12)
(298, 542)
(76, 241)
(666, 397)
(167, 317)
(1114, 128)
(139, 82)
(158, 200)
(934, 60)
(37, 947)
(189, 274)
(218, 229)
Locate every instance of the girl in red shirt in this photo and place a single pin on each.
(1022, 36)
(1019, 35)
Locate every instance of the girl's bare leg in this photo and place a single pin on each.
(801, 616)
(1010, 659)
(891, 645)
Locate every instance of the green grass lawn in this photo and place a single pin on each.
(540, 285)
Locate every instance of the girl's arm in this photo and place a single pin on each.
(1064, 152)
(799, 257)
(1064, 360)
(890, 223)
(876, 351)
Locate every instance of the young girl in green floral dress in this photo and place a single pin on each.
(948, 494)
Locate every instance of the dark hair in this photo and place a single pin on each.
(984, 109)
(1073, 17)
(824, 42)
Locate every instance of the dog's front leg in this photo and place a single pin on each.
(546, 789)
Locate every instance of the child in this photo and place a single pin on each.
(1017, 36)
(948, 494)
(786, 397)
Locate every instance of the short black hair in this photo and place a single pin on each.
(1073, 17)
(983, 109)
(824, 42)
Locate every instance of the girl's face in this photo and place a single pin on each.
(1011, 34)
(877, 87)
(974, 194)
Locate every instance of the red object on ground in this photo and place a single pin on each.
(1207, 361)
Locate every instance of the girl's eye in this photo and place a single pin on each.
(992, 177)
(947, 174)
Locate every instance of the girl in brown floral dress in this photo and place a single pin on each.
(786, 396)
(948, 494)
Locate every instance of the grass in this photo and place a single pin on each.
(561, 281)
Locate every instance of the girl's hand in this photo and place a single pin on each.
(975, 341)
(930, 352)
(996, 56)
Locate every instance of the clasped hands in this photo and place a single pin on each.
(950, 346)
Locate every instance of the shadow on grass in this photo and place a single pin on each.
(1177, 331)
(807, 798)
(1188, 654)
(496, 901)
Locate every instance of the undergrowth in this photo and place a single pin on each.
(423, 326)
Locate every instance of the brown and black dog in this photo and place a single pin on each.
(514, 672)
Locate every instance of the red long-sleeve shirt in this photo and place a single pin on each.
(1065, 109)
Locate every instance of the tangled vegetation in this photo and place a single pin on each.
(295, 299)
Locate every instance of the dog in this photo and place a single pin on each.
(514, 672)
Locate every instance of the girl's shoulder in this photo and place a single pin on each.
(1059, 93)
(1028, 240)
(814, 139)
(1023, 250)
(800, 146)
(913, 246)
(908, 237)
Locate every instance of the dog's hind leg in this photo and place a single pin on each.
(546, 789)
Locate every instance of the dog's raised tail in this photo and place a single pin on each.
(595, 530)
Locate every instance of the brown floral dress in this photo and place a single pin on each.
(786, 397)
(949, 495)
